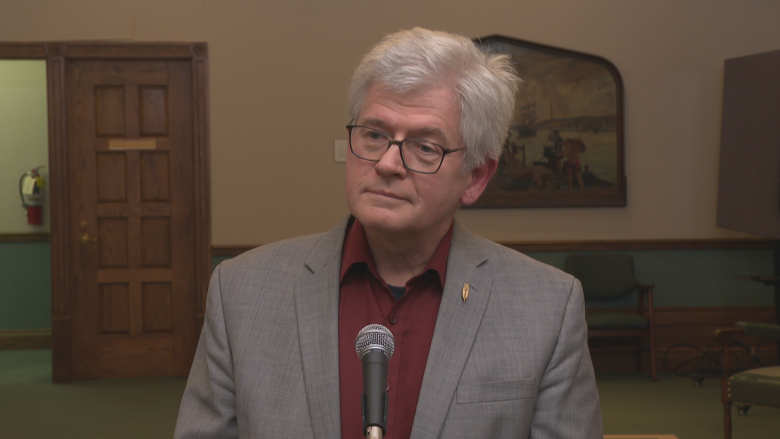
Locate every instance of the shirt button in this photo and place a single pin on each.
(387, 389)
(393, 319)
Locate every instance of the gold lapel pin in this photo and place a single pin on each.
(465, 292)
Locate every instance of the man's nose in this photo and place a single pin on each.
(391, 162)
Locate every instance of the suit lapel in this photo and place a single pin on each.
(456, 328)
(316, 306)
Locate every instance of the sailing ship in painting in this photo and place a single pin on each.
(526, 126)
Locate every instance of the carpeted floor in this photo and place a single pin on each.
(632, 404)
(33, 408)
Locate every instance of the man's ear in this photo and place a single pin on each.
(479, 180)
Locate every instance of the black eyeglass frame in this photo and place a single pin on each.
(392, 142)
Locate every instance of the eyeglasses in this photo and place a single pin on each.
(417, 155)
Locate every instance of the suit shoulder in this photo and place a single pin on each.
(281, 256)
(508, 262)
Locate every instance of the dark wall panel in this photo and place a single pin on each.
(749, 185)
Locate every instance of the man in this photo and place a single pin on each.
(489, 343)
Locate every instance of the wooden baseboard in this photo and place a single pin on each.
(684, 339)
(25, 237)
(681, 360)
(25, 339)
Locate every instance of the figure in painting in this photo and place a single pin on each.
(554, 153)
(572, 167)
(569, 149)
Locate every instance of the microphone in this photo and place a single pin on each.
(374, 345)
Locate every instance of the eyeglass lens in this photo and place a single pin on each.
(417, 155)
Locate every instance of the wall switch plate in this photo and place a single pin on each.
(340, 147)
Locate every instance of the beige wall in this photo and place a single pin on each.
(279, 70)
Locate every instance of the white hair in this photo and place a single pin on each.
(484, 84)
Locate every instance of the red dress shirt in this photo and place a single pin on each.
(364, 299)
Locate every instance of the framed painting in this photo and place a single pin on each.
(565, 144)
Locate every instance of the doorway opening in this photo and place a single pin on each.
(129, 204)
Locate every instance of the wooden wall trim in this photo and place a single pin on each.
(132, 50)
(700, 315)
(579, 246)
(558, 246)
(230, 250)
(102, 49)
(59, 207)
(24, 237)
(25, 339)
(641, 245)
(200, 112)
(23, 50)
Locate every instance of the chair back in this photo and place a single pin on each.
(604, 276)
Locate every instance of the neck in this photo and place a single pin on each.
(401, 256)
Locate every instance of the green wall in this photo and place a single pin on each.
(25, 285)
(682, 278)
(696, 277)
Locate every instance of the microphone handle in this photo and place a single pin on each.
(374, 433)
(374, 391)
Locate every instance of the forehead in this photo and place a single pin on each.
(436, 106)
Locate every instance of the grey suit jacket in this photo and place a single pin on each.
(510, 362)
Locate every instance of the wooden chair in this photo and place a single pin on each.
(609, 277)
(760, 386)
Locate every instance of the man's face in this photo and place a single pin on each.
(387, 197)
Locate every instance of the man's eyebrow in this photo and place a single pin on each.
(374, 122)
(424, 130)
(434, 130)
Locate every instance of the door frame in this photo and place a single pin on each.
(63, 272)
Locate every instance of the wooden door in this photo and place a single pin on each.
(132, 219)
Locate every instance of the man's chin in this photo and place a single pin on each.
(385, 221)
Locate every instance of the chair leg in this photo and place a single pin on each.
(725, 398)
(639, 355)
(653, 370)
(727, 419)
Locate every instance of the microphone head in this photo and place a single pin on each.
(375, 336)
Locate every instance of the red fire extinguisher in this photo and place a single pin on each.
(31, 191)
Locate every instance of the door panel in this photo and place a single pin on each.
(133, 207)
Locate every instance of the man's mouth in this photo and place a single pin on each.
(387, 194)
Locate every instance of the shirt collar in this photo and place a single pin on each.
(357, 251)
